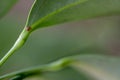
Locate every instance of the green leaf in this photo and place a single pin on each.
(100, 67)
(5, 6)
(96, 67)
(47, 12)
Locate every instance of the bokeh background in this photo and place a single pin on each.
(95, 36)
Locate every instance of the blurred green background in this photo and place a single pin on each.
(94, 36)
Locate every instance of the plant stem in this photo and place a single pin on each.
(18, 44)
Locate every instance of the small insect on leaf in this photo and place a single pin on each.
(28, 28)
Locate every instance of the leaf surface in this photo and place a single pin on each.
(47, 12)
(98, 66)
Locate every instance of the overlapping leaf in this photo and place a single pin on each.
(47, 12)
(97, 67)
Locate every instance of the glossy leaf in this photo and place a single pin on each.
(5, 6)
(99, 67)
(47, 12)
